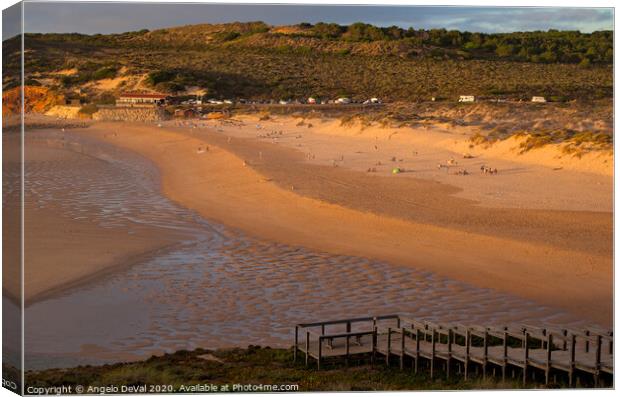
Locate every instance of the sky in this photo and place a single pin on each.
(93, 18)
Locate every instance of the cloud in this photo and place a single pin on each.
(11, 21)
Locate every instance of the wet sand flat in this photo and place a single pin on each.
(226, 188)
(65, 249)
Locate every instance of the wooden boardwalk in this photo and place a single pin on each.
(524, 349)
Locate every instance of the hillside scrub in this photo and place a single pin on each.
(257, 61)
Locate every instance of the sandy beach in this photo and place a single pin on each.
(554, 247)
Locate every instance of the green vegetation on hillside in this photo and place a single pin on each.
(256, 61)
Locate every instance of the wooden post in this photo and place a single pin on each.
(347, 352)
(374, 346)
(448, 359)
(348, 326)
(397, 322)
(296, 343)
(565, 335)
(485, 354)
(597, 367)
(432, 352)
(389, 346)
(322, 329)
(549, 350)
(571, 368)
(505, 361)
(417, 350)
(587, 341)
(318, 361)
(525, 357)
(307, 346)
(466, 363)
(402, 348)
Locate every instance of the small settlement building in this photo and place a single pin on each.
(539, 99)
(136, 98)
(467, 98)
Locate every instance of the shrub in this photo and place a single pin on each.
(159, 76)
(107, 98)
(104, 73)
(89, 109)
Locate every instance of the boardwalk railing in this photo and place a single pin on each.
(455, 346)
(319, 340)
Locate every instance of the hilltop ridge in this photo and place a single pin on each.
(256, 60)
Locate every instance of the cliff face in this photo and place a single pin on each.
(36, 99)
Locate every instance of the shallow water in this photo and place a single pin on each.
(218, 287)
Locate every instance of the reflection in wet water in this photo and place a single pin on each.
(218, 287)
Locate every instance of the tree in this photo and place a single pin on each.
(504, 50)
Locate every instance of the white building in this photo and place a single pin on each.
(312, 100)
(343, 101)
(540, 99)
(467, 98)
(135, 98)
(371, 101)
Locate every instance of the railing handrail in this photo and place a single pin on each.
(516, 331)
(311, 332)
(349, 320)
(346, 334)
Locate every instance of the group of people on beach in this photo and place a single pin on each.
(274, 134)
